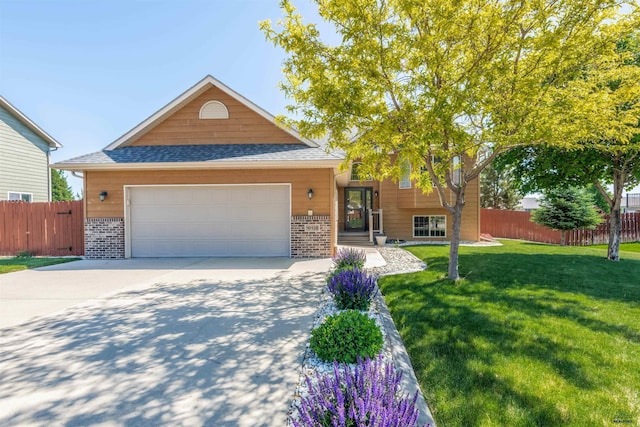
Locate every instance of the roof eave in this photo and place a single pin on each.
(30, 124)
(287, 164)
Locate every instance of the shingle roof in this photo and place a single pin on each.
(205, 153)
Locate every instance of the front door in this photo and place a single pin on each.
(356, 203)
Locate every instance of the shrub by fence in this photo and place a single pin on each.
(518, 225)
(47, 228)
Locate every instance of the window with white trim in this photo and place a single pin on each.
(429, 226)
(355, 174)
(405, 178)
(16, 195)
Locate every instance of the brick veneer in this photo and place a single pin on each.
(310, 236)
(104, 238)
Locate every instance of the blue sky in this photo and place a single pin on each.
(88, 71)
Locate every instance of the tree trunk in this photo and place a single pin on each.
(615, 225)
(456, 214)
(615, 219)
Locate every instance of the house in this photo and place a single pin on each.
(529, 203)
(211, 174)
(631, 202)
(24, 157)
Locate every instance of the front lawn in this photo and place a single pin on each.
(624, 247)
(7, 265)
(534, 335)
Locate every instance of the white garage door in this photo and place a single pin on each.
(185, 221)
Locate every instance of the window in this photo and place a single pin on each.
(355, 175)
(430, 226)
(15, 195)
(405, 178)
(214, 110)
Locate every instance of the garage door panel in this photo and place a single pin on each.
(210, 221)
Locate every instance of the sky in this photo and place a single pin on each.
(88, 71)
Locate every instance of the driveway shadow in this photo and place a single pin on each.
(208, 352)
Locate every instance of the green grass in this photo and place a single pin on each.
(624, 247)
(7, 265)
(534, 335)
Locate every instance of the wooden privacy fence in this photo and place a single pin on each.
(47, 228)
(518, 225)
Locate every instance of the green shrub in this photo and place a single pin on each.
(24, 254)
(347, 336)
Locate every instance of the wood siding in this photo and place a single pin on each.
(400, 205)
(244, 126)
(320, 180)
(24, 165)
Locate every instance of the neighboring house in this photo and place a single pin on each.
(211, 174)
(631, 202)
(529, 203)
(24, 157)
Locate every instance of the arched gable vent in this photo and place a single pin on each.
(214, 110)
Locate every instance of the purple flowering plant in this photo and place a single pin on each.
(349, 258)
(353, 289)
(367, 395)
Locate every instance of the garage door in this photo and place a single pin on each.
(185, 221)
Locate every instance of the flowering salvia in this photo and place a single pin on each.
(367, 395)
(348, 258)
(352, 289)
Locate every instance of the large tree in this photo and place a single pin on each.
(602, 162)
(498, 189)
(444, 86)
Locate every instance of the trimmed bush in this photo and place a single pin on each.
(352, 289)
(366, 396)
(345, 337)
(349, 258)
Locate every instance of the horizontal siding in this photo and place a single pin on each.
(23, 159)
(320, 180)
(398, 212)
(244, 126)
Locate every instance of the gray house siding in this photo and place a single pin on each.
(24, 165)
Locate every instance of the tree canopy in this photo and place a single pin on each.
(445, 86)
(498, 189)
(60, 188)
(608, 160)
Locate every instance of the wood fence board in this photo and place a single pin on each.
(43, 229)
(518, 225)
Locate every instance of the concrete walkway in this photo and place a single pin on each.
(156, 342)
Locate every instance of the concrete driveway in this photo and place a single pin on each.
(214, 342)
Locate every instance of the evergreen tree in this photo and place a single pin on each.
(565, 210)
(497, 189)
(60, 188)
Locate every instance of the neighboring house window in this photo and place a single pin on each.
(355, 174)
(430, 226)
(405, 178)
(25, 197)
(214, 110)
